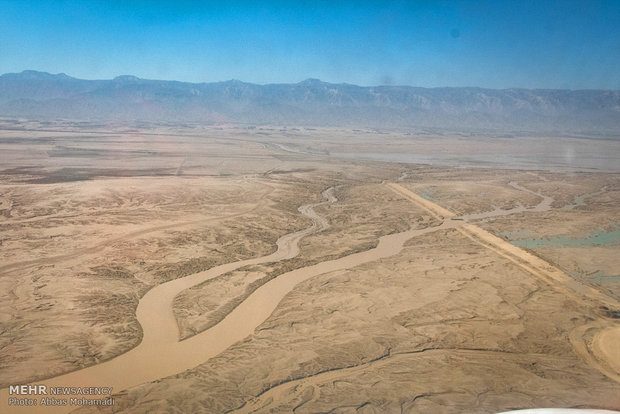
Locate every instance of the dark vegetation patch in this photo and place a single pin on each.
(610, 313)
(110, 272)
(296, 170)
(64, 175)
(96, 153)
(177, 270)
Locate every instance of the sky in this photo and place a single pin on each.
(560, 44)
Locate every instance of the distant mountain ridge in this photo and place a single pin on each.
(41, 95)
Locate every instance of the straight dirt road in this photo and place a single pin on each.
(605, 356)
(161, 354)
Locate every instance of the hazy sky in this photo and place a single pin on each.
(495, 44)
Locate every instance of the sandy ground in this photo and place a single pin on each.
(410, 298)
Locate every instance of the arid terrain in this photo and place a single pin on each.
(277, 269)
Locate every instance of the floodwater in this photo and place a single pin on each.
(598, 238)
(601, 278)
(580, 200)
(552, 162)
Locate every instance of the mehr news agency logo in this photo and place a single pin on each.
(42, 395)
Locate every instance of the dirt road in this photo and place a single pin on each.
(161, 354)
(603, 354)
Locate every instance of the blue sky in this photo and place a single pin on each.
(495, 44)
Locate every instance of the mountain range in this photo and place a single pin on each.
(40, 95)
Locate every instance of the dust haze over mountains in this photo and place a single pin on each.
(41, 95)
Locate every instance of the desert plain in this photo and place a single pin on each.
(236, 268)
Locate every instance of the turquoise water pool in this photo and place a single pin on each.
(601, 278)
(598, 238)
